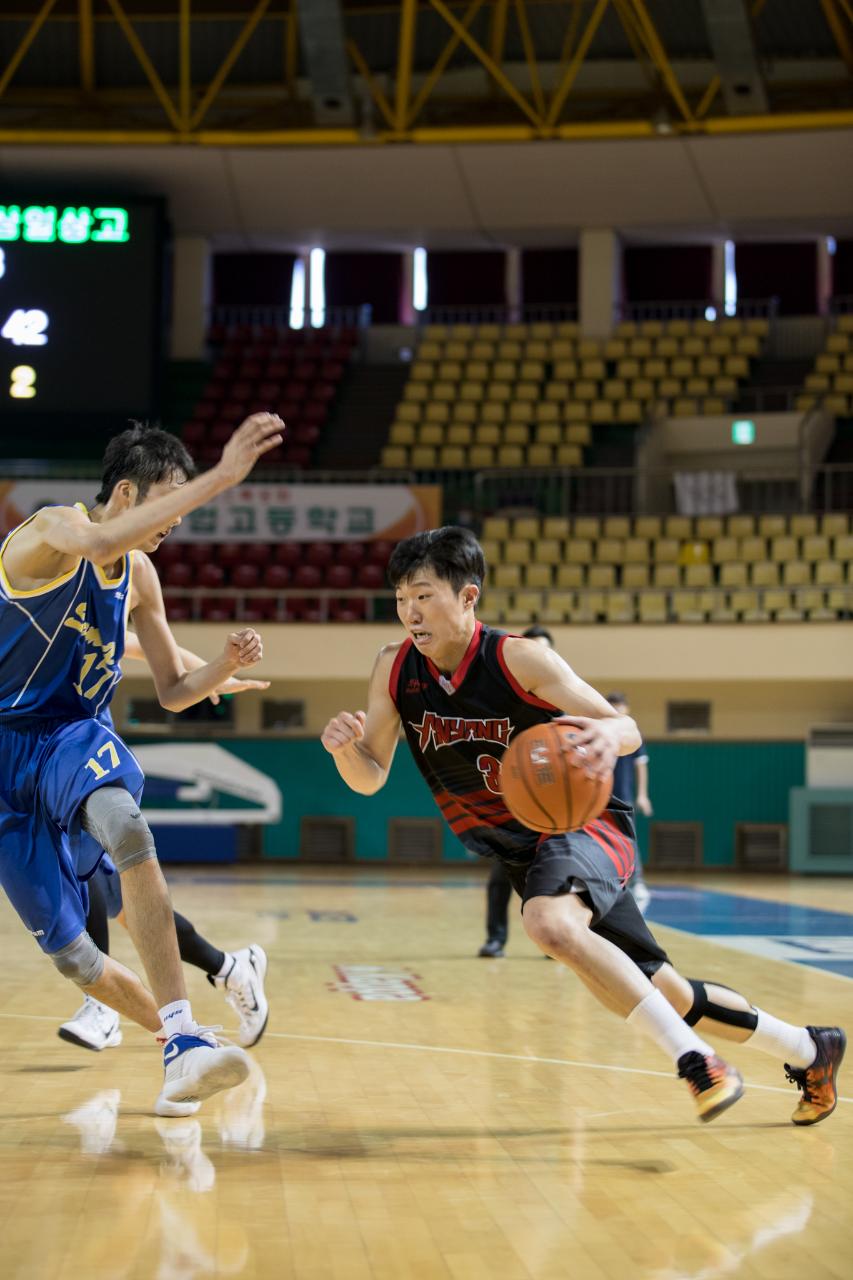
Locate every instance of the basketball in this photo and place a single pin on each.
(546, 787)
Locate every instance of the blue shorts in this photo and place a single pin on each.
(48, 768)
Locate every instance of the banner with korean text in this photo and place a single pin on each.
(264, 512)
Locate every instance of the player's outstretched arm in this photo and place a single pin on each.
(70, 532)
(192, 662)
(362, 744)
(542, 672)
(179, 688)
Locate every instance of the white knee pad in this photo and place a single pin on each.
(80, 961)
(113, 817)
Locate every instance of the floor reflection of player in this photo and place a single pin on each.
(461, 690)
(69, 786)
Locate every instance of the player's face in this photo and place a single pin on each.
(437, 618)
(157, 491)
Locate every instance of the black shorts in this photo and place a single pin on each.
(564, 863)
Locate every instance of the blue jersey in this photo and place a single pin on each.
(61, 644)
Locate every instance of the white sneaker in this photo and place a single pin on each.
(241, 1123)
(244, 990)
(197, 1066)
(94, 1026)
(188, 1162)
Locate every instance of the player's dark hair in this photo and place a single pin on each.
(452, 553)
(146, 455)
(617, 696)
(536, 632)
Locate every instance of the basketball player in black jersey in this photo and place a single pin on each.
(461, 690)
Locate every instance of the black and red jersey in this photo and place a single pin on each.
(458, 728)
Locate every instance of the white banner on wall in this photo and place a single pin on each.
(264, 512)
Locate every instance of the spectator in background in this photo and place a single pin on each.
(631, 784)
(499, 888)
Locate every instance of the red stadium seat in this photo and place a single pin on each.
(351, 553)
(277, 576)
(229, 554)
(233, 411)
(178, 610)
(287, 553)
(307, 575)
(278, 369)
(320, 554)
(219, 610)
(210, 575)
(220, 433)
(315, 411)
(332, 371)
(269, 392)
(258, 553)
(205, 410)
(170, 552)
(371, 576)
(250, 371)
(179, 574)
(379, 551)
(254, 611)
(198, 553)
(305, 371)
(339, 576)
(353, 609)
(306, 435)
(245, 576)
(194, 433)
(298, 456)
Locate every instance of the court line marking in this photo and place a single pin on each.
(471, 1053)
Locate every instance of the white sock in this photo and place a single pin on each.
(227, 966)
(656, 1018)
(793, 1045)
(177, 1018)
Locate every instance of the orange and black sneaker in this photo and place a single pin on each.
(714, 1084)
(819, 1082)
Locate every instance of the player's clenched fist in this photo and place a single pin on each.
(244, 648)
(344, 728)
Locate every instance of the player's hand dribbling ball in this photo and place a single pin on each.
(546, 783)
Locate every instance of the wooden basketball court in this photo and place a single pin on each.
(415, 1112)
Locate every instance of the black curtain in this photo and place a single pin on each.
(376, 278)
(549, 276)
(259, 279)
(783, 270)
(466, 279)
(667, 273)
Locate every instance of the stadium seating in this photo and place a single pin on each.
(293, 372)
(532, 395)
(831, 381)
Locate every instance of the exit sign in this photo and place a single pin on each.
(743, 431)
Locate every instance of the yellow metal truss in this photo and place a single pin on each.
(400, 97)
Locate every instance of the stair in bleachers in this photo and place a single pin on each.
(772, 385)
(359, 426)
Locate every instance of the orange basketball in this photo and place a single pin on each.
(546, 786)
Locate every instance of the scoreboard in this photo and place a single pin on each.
(80, 305)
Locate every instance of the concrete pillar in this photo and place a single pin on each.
(190, 296)
(718, 275)
(513, 287)
(600, 288)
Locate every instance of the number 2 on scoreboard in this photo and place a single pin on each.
(23, 385)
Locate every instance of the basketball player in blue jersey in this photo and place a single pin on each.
(461, 690)
(69, 787)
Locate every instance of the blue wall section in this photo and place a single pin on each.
(716, 783)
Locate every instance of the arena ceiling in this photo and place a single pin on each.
(238, 73)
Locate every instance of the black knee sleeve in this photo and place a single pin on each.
(702, 1007)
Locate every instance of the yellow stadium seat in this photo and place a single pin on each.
(510, 455)
(642, 389)
(586, 527)
(526, 392)
(601, 575)
(636, 550)
(535, 355)
(667, 348)
(665, 550)
(774, 601)
(635, 575)
(720, 345)
(709, 527)
(496, 527)
(589, 348)
(487, 433)
(677, 328)
(724, 549)
(422, 371)
(610, 550)
(733, 574)
(506, 575)
(555, 527)
(516, 550)
(678, 527)
(443, 391)
(519, 332)
(745, 601)
(538, 575)
(429, 351)
(461, 433)
(481, 455)
(436, 411)
(640, 348)
(731, 325)
(685, 408)
(476, 371)
(549, 433)
(648, 527)
(402, 433)
(415, 391)
(490, 331)
(680, 368)
(542, 329)
(449, 371)
(784, 548)
(472, 391)
(578, 550)
(629, 411)
(698, 575)
(585, 390)
(753, 549)
(570, 575)
(568, 455)
(725, 386)
(615, 348)
(842, 548)
(653, 607)
(655, 369)
(740, 526)
(565, 371)
(593, 369)
(509, 350)
(430, 433)
(827, 364)
(828, 573)
(796, 573)
(500, 392)
(558, 606)
(602, 411)
(815, 547)
(504, 371)
(651, 328)
(685, 607)
(516, 433)
(394, 455)
(748, 345)
(844, 324)
(626, 329)
(492, 411)
(423, 455)
(802, 526)
(452, 456)
(764, 573)
(540, 455)
(835, 524)
(562, 349)
(482, 351)
(525, 607)
(589, 607)
(713, 406)
(520, 411)
(548, 551)
(614, 389)
(736, 366)
(772, 526)
(628, 369)
(666, 575)
(577, 433)
(545, 412)
(620, 607)
(575, 411)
